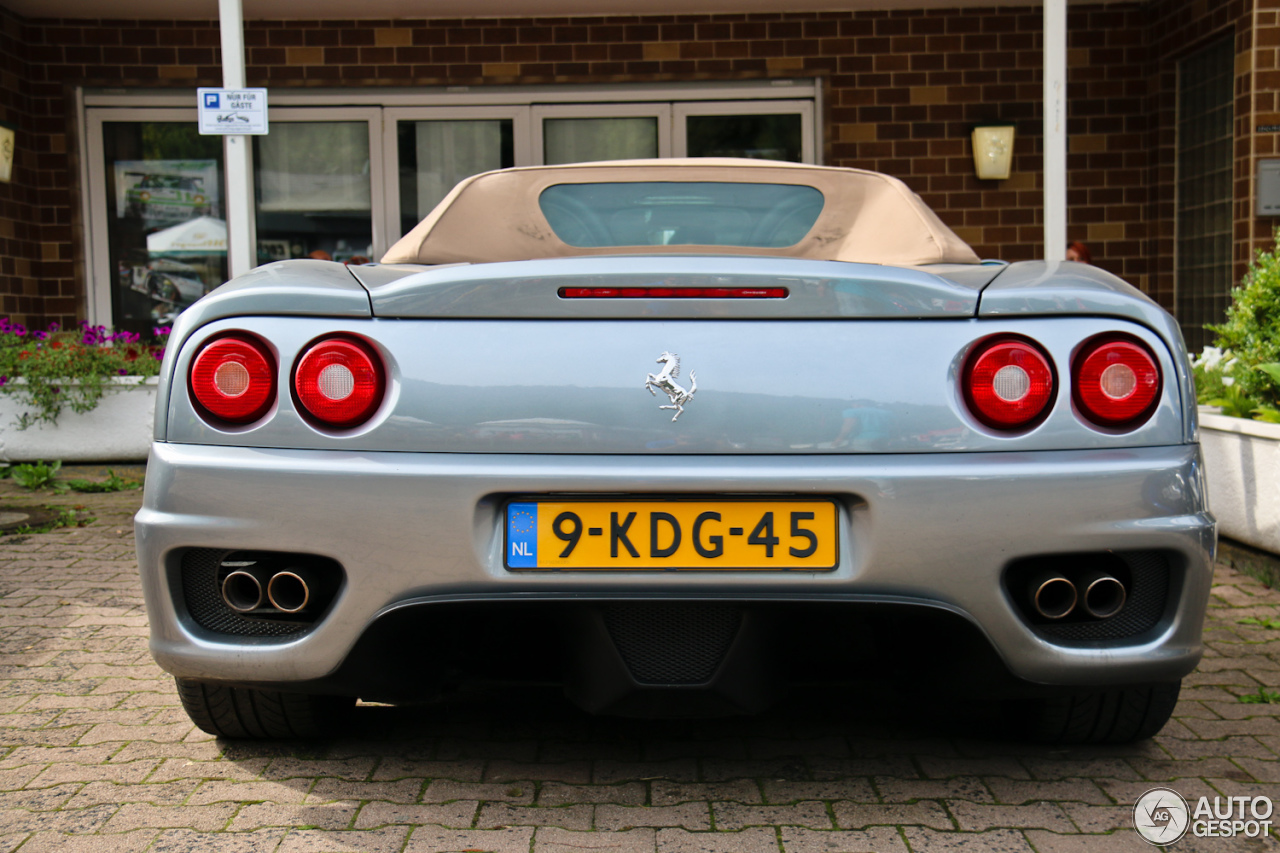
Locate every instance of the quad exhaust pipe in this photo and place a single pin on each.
(1103, 595)
(286, 591)
(1054, 596)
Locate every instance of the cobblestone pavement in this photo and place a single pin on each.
(96, 754)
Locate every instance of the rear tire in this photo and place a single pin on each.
(1119, 715)
(242, 712)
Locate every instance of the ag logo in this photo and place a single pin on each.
(1161, 816)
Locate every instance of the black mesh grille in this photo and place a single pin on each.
(200, 570)
(673, 643)
(1144, 605)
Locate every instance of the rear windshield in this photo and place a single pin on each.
(675, 213)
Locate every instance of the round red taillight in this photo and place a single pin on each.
(233, 379)
(1008, 383)
(1116, 381)
(339, 381)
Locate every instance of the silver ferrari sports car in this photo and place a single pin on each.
(676, 434)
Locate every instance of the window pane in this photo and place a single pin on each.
(435, 155)
(760, 137)
(669, 213)
(1205, 137)
(167, 240)
(311, 182)
(581, 140)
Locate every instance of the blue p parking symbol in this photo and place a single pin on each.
(211, 100)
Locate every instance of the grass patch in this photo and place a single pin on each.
(73, 517)
(1272, 624)
(113, 483)
(1262, 697)
(35, 475)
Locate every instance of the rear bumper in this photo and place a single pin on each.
(930, 530)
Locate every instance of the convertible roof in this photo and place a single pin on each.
(867, 217)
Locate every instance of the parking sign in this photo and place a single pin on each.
(226, 112)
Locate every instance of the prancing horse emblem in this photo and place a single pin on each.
(666, 380)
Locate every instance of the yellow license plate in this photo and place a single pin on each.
(672, 535)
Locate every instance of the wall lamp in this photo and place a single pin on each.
(8, 142)
(993, 149)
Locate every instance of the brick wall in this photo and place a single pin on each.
(19, 245)
(903, 88)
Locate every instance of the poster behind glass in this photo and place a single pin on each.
(166, 232)
(313, 192)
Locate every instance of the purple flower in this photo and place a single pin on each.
(41, 336)
(123, 372)
(57, 390)
(53, 327)
(3, 380)
(161, 331)
(159, 354)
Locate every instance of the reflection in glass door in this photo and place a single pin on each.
(759, 130)
(313, 191)
(435, 155)
(166, 238)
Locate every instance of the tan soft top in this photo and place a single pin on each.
(867, 217)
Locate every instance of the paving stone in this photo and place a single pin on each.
(572, 772)
(401, 791)
(1065, 790)
(628, 793)
(664, 793)
(756, 840)
(973, 817)
(391, 768)
(387, 840)
(995, 841)
(1119, 842)
(145, 815)
(734, 816)
(781, 791)
(861, 815)
(877, 840)
(435, 839)
(57, 842)
(688, 815)
(442, 791)
(905, 790)
(329, 815)
(554, 840)
(458, 814)
(494, 815)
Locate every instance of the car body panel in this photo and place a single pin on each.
(578, 386)
(430, 529)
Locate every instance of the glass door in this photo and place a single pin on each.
(434, 149)
(159, 233)
(317, 182)
(760, 130)
(580, 133)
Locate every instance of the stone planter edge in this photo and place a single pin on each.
(118, 430)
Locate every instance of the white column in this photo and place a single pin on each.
(1055, 129)
(241, 256)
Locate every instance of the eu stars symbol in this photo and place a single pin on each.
(522, 535)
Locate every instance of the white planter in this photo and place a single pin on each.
(117, 430)
(1242, 465)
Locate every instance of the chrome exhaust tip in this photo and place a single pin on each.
(242, 592)
(1053, 596)
(288, 592)
(1104, 596)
